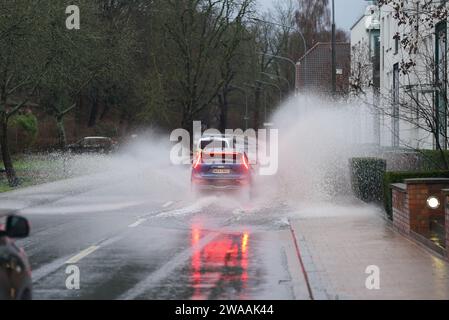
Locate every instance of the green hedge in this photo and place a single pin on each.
(29, 124)
(366, 178)
(397, 177)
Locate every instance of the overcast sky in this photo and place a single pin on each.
(346, 11)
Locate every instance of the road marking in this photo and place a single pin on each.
(301, 262)
(82, 254)
(48, 268)
(168, 204)
(137, 223)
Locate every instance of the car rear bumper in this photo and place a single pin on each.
(220, 184)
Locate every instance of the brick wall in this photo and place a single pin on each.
(401, 219)
(419, 190)
(412, 215)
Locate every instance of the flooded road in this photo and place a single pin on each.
(128, 245)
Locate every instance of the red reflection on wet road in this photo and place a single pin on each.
(221, 264)
(196, 262)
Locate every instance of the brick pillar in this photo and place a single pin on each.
(419, 190)
(401, 216)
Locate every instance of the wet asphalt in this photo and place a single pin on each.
(129, 242)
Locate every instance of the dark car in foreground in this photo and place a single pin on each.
(221, 170)
(93, 145)
(15, 270)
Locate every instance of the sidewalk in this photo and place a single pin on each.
(336, 251)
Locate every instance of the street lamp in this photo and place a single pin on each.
(302, 38)
(334, 58)
(281, 58)
(271, 76)
(273, 85)
(286, 27)
(246, 117)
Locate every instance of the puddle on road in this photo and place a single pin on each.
(220, 269)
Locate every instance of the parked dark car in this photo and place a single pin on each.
(15, 270)
(93, 145)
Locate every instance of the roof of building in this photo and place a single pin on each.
(357, 22)
(321, 44)
(314, 70)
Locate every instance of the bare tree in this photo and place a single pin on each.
(24, 61)
(419, 97)
(313, 17)
(361, 78)
(202, 36)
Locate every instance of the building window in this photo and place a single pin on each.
(387, 33)
(441, 84)
(382, 38)
(396, 44)
(395, 118)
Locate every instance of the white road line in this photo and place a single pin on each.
(82, 255)
(137, 223)
(48, 268)
(51, 267)
(168, 204)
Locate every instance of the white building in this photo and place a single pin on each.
(412, 104)
(365, 60)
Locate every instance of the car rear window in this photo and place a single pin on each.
(222, 158)
(214, 144)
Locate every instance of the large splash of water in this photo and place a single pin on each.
(317, 137)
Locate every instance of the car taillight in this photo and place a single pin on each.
(197, 162)
(245, 162)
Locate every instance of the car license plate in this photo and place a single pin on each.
(221, 171)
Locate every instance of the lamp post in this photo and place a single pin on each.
(273, 85)
(257, 94)
(271, 76)
(246, 117)
(281, 58)
(334, 57)
(286, 27)
(301, 36)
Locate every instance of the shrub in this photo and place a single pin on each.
(28, 124)
(396, 177)
(366, 178)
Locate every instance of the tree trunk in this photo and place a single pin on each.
(62, 138)
(105, 111)
(257, 108)
(94, 110)
(223, 103)
(6, 156)
(442, 155)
